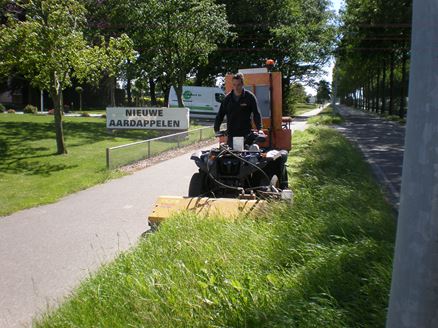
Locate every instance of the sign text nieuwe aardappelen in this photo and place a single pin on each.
(147, 118)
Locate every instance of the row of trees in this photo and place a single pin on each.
(204, 40)
(297, 95)
(150, 44)
(372, 60)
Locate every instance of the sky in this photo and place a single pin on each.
(327, 75)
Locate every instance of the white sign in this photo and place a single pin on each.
(253, 70)
(147, 118)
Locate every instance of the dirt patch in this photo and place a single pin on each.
(133, 167)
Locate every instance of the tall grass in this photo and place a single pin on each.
(324, 261)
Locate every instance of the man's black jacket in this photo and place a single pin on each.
(239, 114)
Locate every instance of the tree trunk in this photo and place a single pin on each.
(366, 104)
(391, 85)
(370, 95)
(112, 84)
(378, 91)
(80, 101)
(57, 101)
(383, 87)
(166, 90)
(363, 97)
(179, 91)
(403, 86)
(128, 91)
(153, 95)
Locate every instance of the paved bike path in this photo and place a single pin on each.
(382, 144)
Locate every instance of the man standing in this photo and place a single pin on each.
(238, 106)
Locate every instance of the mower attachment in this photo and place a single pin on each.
(226, 207)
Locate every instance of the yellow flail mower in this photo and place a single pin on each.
(243, 180)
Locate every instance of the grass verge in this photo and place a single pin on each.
(326, 117)
(323, 262)
(32, 174)
(300, 108)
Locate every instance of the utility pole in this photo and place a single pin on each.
(414, 290)
(42, 100)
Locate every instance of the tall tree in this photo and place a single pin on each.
(323, 92)
(373, 40)
(181, 36)
(49, 48)
(297, 34)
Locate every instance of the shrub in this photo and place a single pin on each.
(11, 111)
(85, 114)
(103, 116)
(30, 109)
(160, 101)
(2, 108)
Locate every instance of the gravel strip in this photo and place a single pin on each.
(165, 156)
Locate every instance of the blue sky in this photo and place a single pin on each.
(336, 4)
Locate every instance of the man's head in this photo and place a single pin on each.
(238, 83)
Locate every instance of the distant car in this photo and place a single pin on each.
(203, 102)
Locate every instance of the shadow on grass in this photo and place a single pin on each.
(19, 155)
(340, 233)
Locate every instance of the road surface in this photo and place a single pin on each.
(46, 251)
(382, 144)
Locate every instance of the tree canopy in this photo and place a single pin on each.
(323, 92)
(173, 40)
(46, 44)
(372, 54)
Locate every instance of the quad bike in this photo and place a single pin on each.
(239, 176)
(254, 172)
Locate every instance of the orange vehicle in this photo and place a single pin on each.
(267, 87)
(234, 180)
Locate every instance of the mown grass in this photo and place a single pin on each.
(324, 261)
(32, 174)
(301, 108)
(326, 117)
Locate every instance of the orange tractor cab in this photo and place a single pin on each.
(267, 87)
(232, 181)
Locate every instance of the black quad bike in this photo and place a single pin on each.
(251, 173)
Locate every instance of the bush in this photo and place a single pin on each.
(11, 111)
(2, 108)
(85, 114)
(30, 109)
(160, 101)
(103, 116)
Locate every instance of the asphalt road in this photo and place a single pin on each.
(46, 251)
(382, 144)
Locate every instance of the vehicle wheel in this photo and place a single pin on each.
(274, 181)
(197, 185)
(284, 184)
(282, 170)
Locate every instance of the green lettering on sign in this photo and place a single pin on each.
(187, 94)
